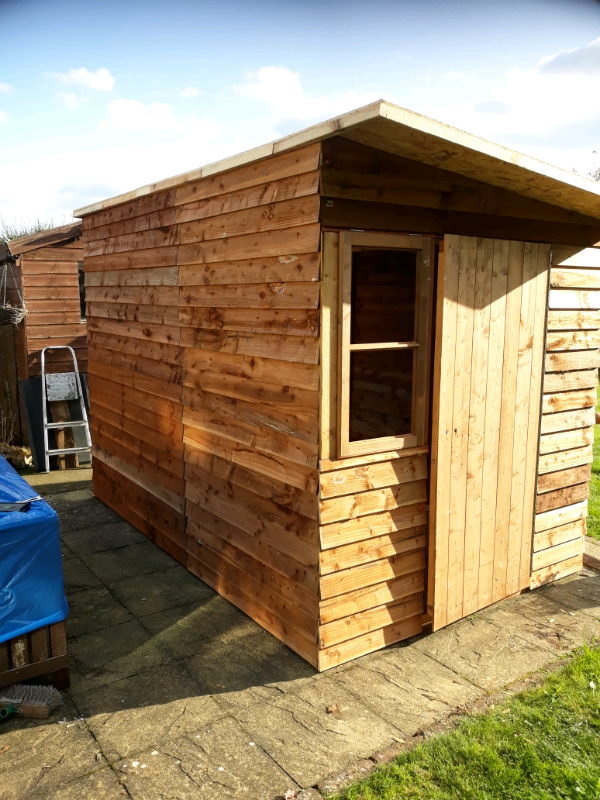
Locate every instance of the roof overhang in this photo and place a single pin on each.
(45, 238)
(393, 129)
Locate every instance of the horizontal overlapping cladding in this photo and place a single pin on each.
(49, 284)
(209, 346)
(568, 414)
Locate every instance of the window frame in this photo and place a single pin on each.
(423, 247)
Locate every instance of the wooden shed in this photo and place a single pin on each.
(47, 267)
(348, 378)
(45, 271)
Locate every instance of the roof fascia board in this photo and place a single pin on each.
(35, 241)
(322, 130)
(463, 143)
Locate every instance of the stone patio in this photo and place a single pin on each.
(176, 694)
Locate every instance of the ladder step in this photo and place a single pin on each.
(65, 451)
(66, 424)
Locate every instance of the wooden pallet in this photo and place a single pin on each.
(40, 652)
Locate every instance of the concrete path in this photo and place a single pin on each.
(176, 694)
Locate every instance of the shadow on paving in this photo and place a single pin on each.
(142, 629)
(176, 693)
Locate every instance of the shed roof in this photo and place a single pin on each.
(44, 238)
(391, 128)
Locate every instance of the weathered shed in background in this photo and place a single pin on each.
(45, 272)
(48, 269)
(318, 370)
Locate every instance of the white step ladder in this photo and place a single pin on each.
(63, 386)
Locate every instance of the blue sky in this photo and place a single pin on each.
(98, 98)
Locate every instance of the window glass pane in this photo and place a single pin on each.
(383, 296)
(380, 393)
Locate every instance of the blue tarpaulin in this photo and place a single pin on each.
(32, 592)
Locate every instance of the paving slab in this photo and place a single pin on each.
(65, 550)
(78, 577)
(591, 552)
(184, 629)
(407, 688)
(143, 558)
(139, 713)
(486, 655)
(539, 619)
(581, 592)
(187, 630)
(41, 757)
(94, 610)
(108, 536)
(236, 658)
(58, 481)
(306, 739)
(78, 510)
(148, 594)
(99, 658)
(219, 762)
(102, 784)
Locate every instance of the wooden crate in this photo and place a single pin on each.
(40, 652)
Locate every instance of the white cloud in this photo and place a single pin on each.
(70, 100)
(101, 79)
(6, 88)
(577, 61)
(460, 77)
(549, 113)
(492, 107)
(189, 93)
(282, 90)
(54, 185)
(132, 115)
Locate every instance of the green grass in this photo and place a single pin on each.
(593, 520)
(543, 743)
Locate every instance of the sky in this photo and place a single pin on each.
(97, 98)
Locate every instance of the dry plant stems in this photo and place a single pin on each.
(14, 230)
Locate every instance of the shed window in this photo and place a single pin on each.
(81, 289)
(385, 320)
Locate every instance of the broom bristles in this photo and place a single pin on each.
(20, 693)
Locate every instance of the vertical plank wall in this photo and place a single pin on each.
(487, 385)
(132, 299)
(249, 282)
(567, 432)
(49, 283)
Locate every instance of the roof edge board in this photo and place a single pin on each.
(498, 151)
(381, 109)
(34, 241)
(315, 133)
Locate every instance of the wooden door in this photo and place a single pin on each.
(491, 310)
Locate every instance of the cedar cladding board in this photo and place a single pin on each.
(213, 317)
(568, 406)
(204, 381)
(46, 273)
